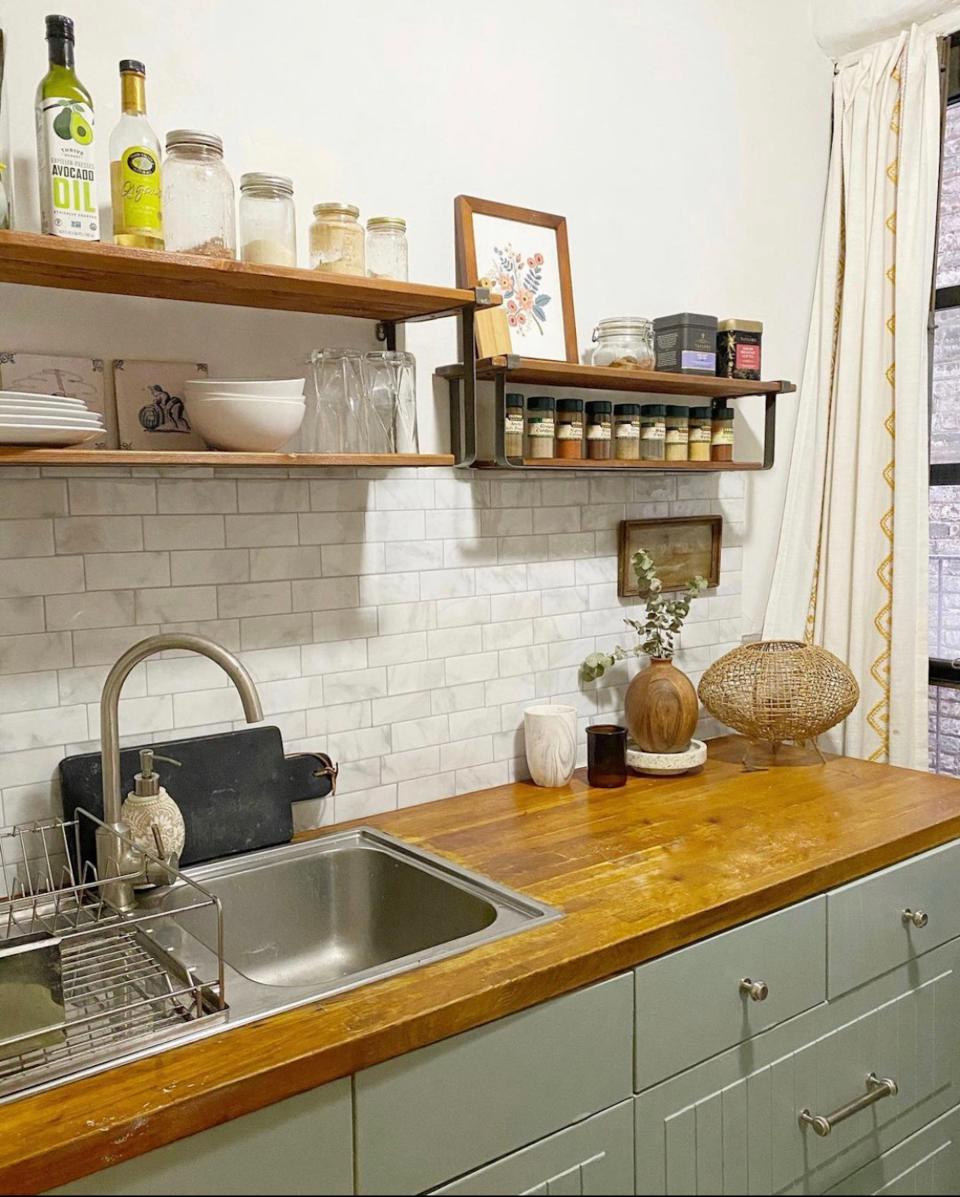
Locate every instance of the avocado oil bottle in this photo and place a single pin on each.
(135, 166)
(68, 185)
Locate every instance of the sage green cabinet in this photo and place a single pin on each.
(592, 1158)
(301, 1145)
(926, 1164)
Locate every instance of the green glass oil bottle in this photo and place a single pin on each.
(65, 146)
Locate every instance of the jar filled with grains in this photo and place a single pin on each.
(513, 425)
(387, 247)
(540, 426)
(336, 239)
(199, 207)
(626, 432)
(701, 426)
(653, 432)
(721, 438)
(268, 226)
(599, 429)
(570, 428)
(678, 433)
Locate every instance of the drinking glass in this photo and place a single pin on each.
(606, 755)
(339, 422)
(391, 384)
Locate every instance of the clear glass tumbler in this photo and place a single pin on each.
(390, 381)
(338, 422)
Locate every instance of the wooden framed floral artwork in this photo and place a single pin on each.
(523, 255)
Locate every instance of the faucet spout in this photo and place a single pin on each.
(110, 849)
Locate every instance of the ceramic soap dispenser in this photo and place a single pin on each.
(149, 805)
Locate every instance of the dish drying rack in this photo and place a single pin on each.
(80, 983)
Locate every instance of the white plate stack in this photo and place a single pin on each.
(27, 419)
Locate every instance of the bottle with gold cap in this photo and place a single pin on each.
(135, 166)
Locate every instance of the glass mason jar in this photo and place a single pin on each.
(268, 223)
(336, 239)
(199, 210)
(387, 247)
(623, 342)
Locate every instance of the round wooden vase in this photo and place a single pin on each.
(662, 708)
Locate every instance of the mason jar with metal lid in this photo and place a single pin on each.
(387, 247)
(623, 342)
(336, 239)
(268, 223)
(199, 208)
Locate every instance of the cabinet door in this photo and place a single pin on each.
(592, 1158)
(926, 1164)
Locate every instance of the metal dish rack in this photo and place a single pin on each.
(105, 986)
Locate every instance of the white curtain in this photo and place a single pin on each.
(851, 570)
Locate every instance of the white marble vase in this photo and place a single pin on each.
(550, 733)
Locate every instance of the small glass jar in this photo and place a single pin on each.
(678, 433)
(701, 434)
(653, 432)
(599, 430)
(268, 221)
(540, 426)
(199, 208)
(721, 433)
(607, 755)
(513, 425)
(626, 432)
(336, 239)
(387, 247)
(624, 343)
(570, 428)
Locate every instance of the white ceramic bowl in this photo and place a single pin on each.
(255, 425)
(278, 388)
(217, 396)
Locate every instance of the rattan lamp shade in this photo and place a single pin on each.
(779, 690)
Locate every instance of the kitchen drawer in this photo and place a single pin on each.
(690, 1005)
(592, 1158)
(926, 1164)
(732, 1125)
(867, 933)
(438, 1112)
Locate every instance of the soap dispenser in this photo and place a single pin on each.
(149, 805)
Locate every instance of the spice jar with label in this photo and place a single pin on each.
(626, 432)
(540, 426)
(653, 432)
(387, 247)
(721, 438)
(268, 225)
(599, 429)
(678, 433)
(738, 348)
(570, 428)
(199, 206)
(513, 425)
(701, 432)
(336, 239)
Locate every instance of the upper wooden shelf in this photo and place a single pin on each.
(11, 455)
(41, 261)
(537, 372)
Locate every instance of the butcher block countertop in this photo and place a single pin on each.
(636, 871)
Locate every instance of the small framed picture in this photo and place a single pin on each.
(681, 548)
(68, 377)
(150, 410)
(524, 257)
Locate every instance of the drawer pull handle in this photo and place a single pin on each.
(877, 1089)
(918, 918)
(756, 991)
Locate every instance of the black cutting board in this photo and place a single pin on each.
(234, 789)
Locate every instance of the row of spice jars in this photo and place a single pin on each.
(598, 430)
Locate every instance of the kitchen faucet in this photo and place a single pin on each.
(116, 856)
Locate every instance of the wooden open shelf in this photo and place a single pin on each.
(661, 467)
(41, 261)
(11, 456)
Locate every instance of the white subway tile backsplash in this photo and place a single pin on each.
(102, 646)
(327, 594)
(395, 650)
(198, 567)
(353, 559)
(476, 667)
(462, 697)
(421, 733)
(22, 498)
(364, 803)
(381, 588)
(420, 675)
(205, 496)
(188, 532)
(22, 730)
(399, 708)
(343, 716)
(254, 531)
(418, 762)
(19, 615)
(339, 495)
(271, 631)
(26, 538)
(426, 789)
(334, 656)
(355, 684)
(463, 612)
(126, 571)
(445, 642)
(287, 495)
(413, 555)
(464, 753)
(448, 583)
(511, 633)
(481, 777)
(108, 496)
(172, 604)
(22, 576)
(29, 691)
(253, 598)
(24, 654)
(407, 617)
(342, 624)
(331, 527)
(85, 683)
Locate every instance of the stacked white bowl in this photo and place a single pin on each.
(254, 416)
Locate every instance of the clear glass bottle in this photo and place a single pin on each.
(135, 177)
(599, 429)
(268, 220)
(387, 247)
(623, 342)
(626, 432)
(336, 239)
(199, 208)
(541, 426)
(513, 425)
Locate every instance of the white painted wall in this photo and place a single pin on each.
(842, 26)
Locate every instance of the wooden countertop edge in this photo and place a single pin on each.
(179, 1093)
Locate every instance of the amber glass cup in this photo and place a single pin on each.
(607, 755)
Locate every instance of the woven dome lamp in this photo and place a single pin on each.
(779, 691)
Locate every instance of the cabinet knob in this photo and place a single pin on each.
(756, 991)
(917, 918)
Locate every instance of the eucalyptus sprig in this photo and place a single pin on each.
(657, 633)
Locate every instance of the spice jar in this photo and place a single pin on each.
(701, 434)
(623, 342)
(268, 223)
(599, 429)
(738, 348)
(570, 428)
(513, 425)
(721, 438)
(626, 432)
(336, 239)
(199, 210)
(678, 433)
(540, 426)
(653, 432)
(387, 247)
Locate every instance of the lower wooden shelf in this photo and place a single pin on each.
(12, 456)
(661, 467)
